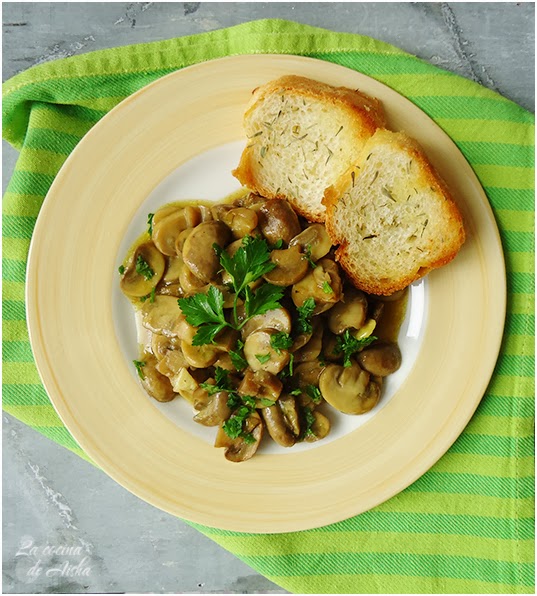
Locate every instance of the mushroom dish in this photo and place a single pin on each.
(253, 322)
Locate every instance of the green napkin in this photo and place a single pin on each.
(467, 525)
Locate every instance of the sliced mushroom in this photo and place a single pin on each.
(224, 361)
(329, 347)
(167, 229)
(172, 363)
(381, 359)
(250, 200)
(313, 241)
(181, 239)
(319, 428)
(278, 221)
(348, 389)
(323, 284)
(239, 449)
(164, 316)
(198, 252)
(216, 411)
(308, 373)
(290, 268)
(199, 356)
(366, 329)
(277, 426)
(261, 385)
(162, 344)
(185, 384)
(260, 355)
(164, 212)
(156, 384)
(278, 319)
(189, 282)
(173, 269)
(350, 313)
(241, 221)
(311, 350)
(144, 270)
(289, 408)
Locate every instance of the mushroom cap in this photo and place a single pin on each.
(347, 388)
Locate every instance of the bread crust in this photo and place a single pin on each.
(453, 220)
(361, 108)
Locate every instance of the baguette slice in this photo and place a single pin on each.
(302, 136)
(392, 215)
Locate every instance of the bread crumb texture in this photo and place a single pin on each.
(302, 136)
(392, 216)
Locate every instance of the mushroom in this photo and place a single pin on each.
(329, 347)
(308, 373)
(199, 356)
(240, 449)
(189, 282)
(323, 284)
(198, 252)
(319, 428)
(241, 221)
(278, 319)
(290, 268)
(260, 355)
(144, 270)
(278, 221)
(312, 349)
(224, 361)
(289, 408)
(164, 212)
(167, 229)
(314, 241)
(277, 426)
(164, 316)
(172, 363)
(261, 385)
(348, 389)
(185, 384)
(155, 383)
(350, 313)
(216, 411)
(162, 344)
(181, 239)
(173, 269)
(381, 359)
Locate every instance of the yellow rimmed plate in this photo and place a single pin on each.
(178, 138)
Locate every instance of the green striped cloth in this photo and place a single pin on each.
(467, 525)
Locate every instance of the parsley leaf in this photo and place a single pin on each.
(121, 269)
(277, 245)
(305, 313)
(348, 345)
(248, 438)
(143, 268)
(205, 311)
(237, 356)
(280, 341)
(150, 224)
(250, 262)
(139, 365)
(296, 392)
(266, 297)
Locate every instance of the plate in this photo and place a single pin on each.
(178, 137)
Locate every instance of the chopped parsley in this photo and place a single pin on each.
(314, 393)
(280, 341)
(305, 312)
(121, 269)
(307, 256)
(327, 288)
(150, 224)
(348, 345)
(233, 426)
(151, 296)
(143, 268)
(263, 358)
(139, 365)
(237, 356)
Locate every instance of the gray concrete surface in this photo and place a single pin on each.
(51, 498)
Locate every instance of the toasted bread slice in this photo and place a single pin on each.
(302, 136)
(393, 217)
